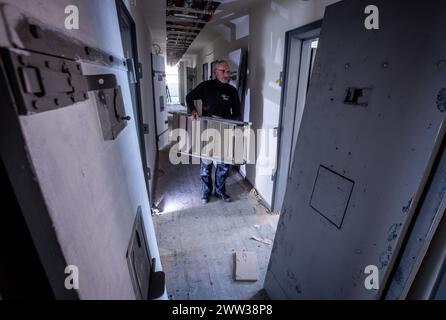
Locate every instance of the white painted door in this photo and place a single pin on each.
(160, 91)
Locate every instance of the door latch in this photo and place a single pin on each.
(135, 71)
(132, 71)
(140, 72)
(111, 112)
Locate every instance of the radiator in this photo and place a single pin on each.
(213, 139)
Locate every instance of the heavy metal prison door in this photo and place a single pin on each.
(69, 144)
(371, 128)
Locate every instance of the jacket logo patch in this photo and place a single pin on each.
(225, 97)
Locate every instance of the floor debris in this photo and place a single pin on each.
(263, 240)
(246, 267)
(264, 207)
(193, 237)
(156, 211)
(253, 193)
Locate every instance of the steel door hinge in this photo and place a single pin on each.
(43, 83)
(44, 71)
(26, 32)
(132, 71)
(135, 71)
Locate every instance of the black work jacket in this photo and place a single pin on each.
(219, 99)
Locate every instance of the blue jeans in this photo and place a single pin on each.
(221, 174)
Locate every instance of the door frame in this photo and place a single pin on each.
(121, 10)
(205, 71)
(154, 106)
(295, 37)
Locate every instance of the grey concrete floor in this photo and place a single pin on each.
(197, 242)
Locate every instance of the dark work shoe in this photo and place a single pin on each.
(204, 200)
(223, 196)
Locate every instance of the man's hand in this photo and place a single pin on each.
(194, 115)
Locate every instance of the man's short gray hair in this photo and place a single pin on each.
(220, 62)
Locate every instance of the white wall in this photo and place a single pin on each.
(182, 81)
(268, 23)
(92, 187)
(222, 46)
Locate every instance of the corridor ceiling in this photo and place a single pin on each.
(184, 21)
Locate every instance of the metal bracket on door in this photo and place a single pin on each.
(111, 112)
(44, 70)
(29, 33)
(43, 83)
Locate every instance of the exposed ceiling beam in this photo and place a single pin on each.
(175, 26)
(180, 38)
(183, 35)
(177, 48)
(176, 20)
(178, 44)
(180, 35)
(179, 32)
(187, 10)
(178, 51)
